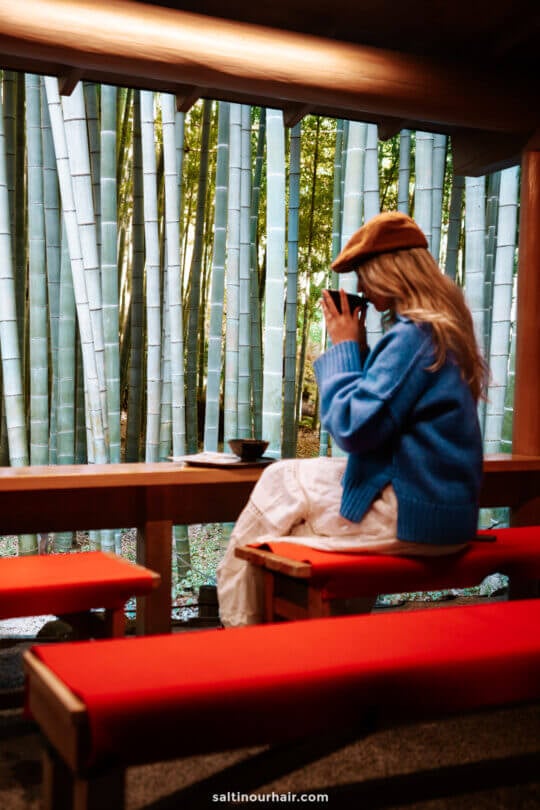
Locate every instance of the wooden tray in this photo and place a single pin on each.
(209, 459)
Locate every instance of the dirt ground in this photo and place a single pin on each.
(308, 443)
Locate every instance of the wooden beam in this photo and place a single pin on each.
(293, 114)
(526, 429)
(186, 96)
(133, 44)
(68, 81)
(476, 152)
(533, 144)
(388, 127)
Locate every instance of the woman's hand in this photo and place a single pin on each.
(344, 325)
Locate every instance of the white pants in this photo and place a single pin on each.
(299, 500)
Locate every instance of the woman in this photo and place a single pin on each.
(405, 413)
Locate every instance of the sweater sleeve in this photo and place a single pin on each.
(364, 404)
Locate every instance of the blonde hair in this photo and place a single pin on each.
(417, 288)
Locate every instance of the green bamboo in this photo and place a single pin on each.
(353, 191)
(51, 201)
(65, 399)
(77, 266)
(454, 227)
(439, 165)
(153, 280)
(90, 93)
(372, 203)
(245, 426)
(256, 336)
(508, 420)
(109, 265)
(8, 89)
(12, 382)
(173, 206)
(9, 340)
(309, 263)
(372, 207)
(492, 208)
(81, 455)
(233, 277)
(173, 136)
(337, 210)
(288, 449)
(135, 392)
(275, 286)
(475, 258)
(217, 289)
(499, 347)
(404, 174)
(195, 284)
(353, 208)
(66, 362)
(39, 377)
(20, 229)
(9, 94)
(79, 164)
(423, 193)
(124, 127)
(165, 426)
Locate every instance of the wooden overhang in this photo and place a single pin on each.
(482, 99)
(468, 69)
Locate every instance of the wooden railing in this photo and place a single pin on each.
(154, 497)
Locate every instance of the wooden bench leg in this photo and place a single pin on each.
(64, 790)
(114, 622)
(100, 791)
(317, 606)
(86, 624)
(57, 780)
(289, 598)
(89, 624)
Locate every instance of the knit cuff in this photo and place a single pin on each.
(342, 358)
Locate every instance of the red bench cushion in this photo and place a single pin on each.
(68, 583)
(515, 552)
(159, 697)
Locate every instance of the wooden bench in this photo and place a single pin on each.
(301, 582)
(105, 705)
(70, 586)
(154, 497)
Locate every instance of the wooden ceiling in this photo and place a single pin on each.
(470, 69)
(500, 34)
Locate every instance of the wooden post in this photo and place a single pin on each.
(154, 549)
(526, 431)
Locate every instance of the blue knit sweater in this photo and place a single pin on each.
(404, 425)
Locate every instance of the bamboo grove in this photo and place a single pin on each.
(160, 272)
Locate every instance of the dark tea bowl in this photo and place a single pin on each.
(248, 449)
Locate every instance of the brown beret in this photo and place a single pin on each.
(384, 233)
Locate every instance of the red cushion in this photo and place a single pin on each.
(159, 697)
(347, 574)
(68, 583)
